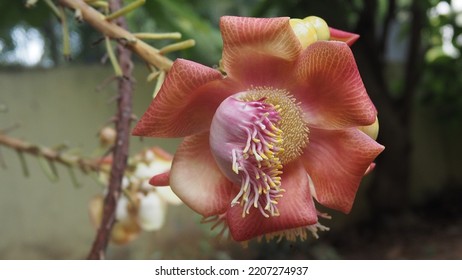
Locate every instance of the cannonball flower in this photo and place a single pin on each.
(141, 207)
(280, 127)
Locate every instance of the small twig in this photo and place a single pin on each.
(66, 34)
(53, 8)
(158, 36)
(112, 58)
(178, 46)
(122, 11)
(49, 154)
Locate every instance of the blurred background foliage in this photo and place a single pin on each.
(409, 58)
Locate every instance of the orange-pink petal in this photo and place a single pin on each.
(186, 102)
(160, 180)
(330, 88)
(340, 35)
(336, 160)
(296, 208)
(196, 179)
(258, 51)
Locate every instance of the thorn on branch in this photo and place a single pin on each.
(49, 171)
(22, 161)
(97, 42)
(115, 97)
(126, 41)
(78, 16)
(105, 83)
(152, 76)
(74, 180)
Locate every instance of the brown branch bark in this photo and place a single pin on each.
(120, 155)
(114, 31)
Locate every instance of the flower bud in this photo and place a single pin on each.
(320, 25)
(371, 130)
(305, 32)
(107, 136)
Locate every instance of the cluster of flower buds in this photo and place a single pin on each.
(310, 30)
(141, 205)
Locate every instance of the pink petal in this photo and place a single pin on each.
(330, 88)
(186, 102)
(370, 168)
(336, 160)
(258, 51)
(160, 180)
(196, 179)
(296, 208)
(340, 35)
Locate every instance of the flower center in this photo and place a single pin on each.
(293, 126)
(253, 134)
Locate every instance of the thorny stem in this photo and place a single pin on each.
(120, 155)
